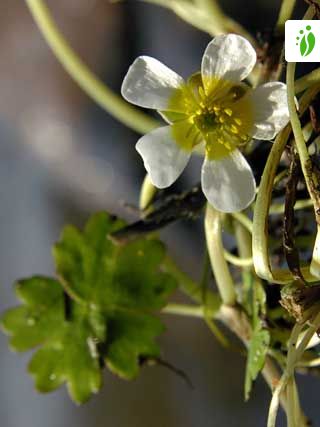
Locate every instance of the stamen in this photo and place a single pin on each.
(228, 111)
(201, 92)
(234, 129)
(244, 137)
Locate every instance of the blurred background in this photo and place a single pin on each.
(61, 158)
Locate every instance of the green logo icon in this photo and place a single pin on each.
(306, 40)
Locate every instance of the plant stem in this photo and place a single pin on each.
(261, 211)
(235, 260)
(148, 191)
(291, 412)
(243, 219)
(275, 401)
(315, 324)
(237, 322)
(310, 177)
(184, 310)
(278, 208)
(306, 165)
(212, 21)
(89, 83)
(260, 217)
(189, 287)
(219, 265)
(285, 13)
(307, 81)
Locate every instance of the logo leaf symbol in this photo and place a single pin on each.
(307, 44)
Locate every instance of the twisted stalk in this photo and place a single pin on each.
(261, 258)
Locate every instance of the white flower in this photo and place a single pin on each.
(211, 110)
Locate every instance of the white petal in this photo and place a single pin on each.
(149, 83)
(270, 109)
(163, 159)
(229, 57)
(228, 184)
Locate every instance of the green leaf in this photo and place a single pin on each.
(130, 336)
(40, 318)
(254, 302)
(106, 314)
(257, 352)
(69, 351)
(254, 298)
(94, 270)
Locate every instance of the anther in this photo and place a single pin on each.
(234, 129)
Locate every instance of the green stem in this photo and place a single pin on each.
(278, 208)
(79, 71)
(208, 18)
(291, 410)
(275, 402)
(315, 324)
(260, 218)
(244, 220)
(307, 81)
(310, 178)
(189, 287)
(244, 243)
(213, 231)
(184, 310)
(285, 13)
(237, 261)
(148, 191)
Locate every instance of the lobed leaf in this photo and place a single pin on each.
(257, 352)
(99, 312)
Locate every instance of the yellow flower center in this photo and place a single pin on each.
(216, 111)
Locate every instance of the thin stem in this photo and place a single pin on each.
(291, 411)
(184, 310)
(215, 330)
(235, 260)
(213, 22)
(278, 208)
(148, 191)
(275, 402)
(307, 81)
(260, 218)
(285, 13)
(79, 71)
(306, 165)
(315, 324)
(244, 220)
(310, 177)
(213, 231)
(237, 322)
(189, 287)
(309, 363)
